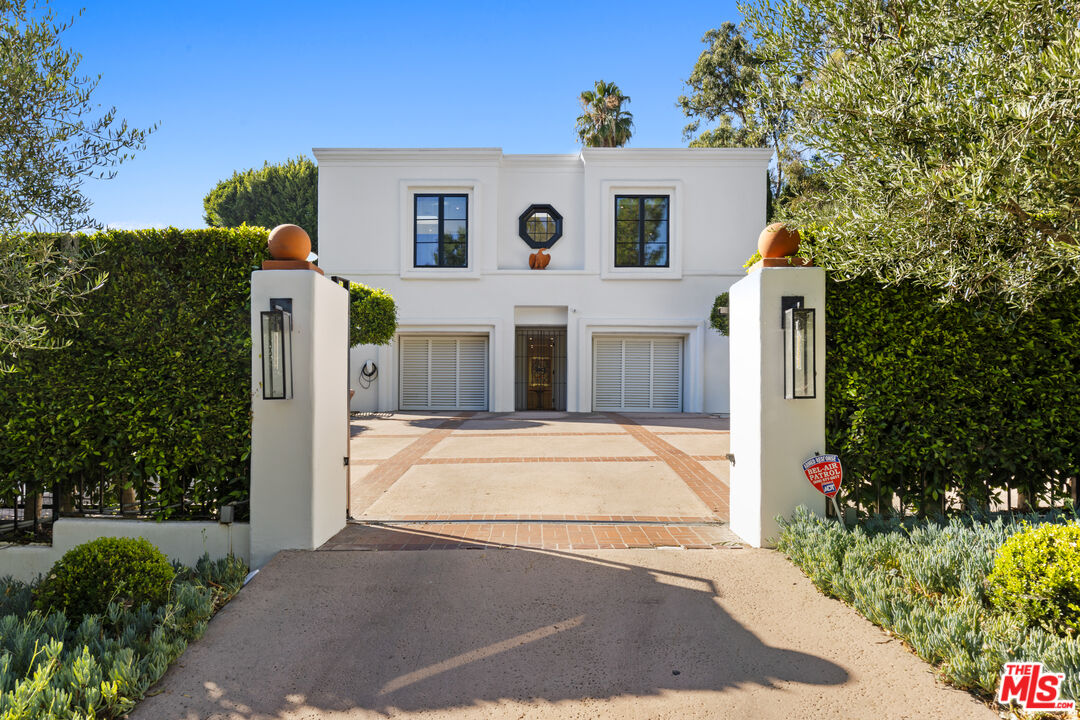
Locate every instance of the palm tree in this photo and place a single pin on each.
(603, 122)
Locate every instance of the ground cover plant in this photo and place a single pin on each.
(65, 666)
(945, 588)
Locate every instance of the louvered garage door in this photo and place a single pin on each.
(637, 373)
(444, 373)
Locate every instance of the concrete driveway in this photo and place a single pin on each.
(523, 633)
(540, 479)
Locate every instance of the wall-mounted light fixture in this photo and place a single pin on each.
(800, 349)
(277, 350)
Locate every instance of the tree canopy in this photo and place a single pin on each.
(735, 101)
(603, 121)
(53, 139)
(268, 196)
(950, 132)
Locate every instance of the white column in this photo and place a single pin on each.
(298, 445)
(772, 436)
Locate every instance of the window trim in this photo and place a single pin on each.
(441, 219)
(641, 230)
(604, 205)
(408, 188)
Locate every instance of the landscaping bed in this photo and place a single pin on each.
(950, 592)
(60, 660)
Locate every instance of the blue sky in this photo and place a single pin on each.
(233, 84)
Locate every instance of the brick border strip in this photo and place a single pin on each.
(527, 535)
(389, 471)
(701, 482)
(527, 518)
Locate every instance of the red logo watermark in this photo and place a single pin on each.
(1032, 688)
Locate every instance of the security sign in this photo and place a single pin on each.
(824, 472)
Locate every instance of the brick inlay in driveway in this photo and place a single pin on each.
(553, 536)
(709, 488)
(376, 482)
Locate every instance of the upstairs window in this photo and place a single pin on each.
(441, 231)
(641, 230)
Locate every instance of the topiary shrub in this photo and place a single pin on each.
(372, 316)
(1036, 575)
(129, 571)
(718, 318)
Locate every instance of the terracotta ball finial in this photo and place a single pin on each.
(289, 242)
(778, 241)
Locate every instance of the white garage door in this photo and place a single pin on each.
(637, 373)
(441, 372)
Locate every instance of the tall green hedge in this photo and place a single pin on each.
(154, 387)
(923, 396)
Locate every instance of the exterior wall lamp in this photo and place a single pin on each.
(277, 377)
(800, 349)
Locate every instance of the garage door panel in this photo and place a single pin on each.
(472, 373)
(637, 374)
(444, 373)
(607, 373)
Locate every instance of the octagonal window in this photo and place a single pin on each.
(540, 226)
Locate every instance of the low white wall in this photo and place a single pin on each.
(184, 540)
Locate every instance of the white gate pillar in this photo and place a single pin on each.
(299, 444)
(771, 436)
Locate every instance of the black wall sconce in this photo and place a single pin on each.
(800, 349)
(277, 379)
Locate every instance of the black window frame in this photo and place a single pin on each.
(441, 220)
(641, 230)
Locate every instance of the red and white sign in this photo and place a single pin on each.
(1032, 687)
(825, 473)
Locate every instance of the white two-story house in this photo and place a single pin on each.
(640, 242)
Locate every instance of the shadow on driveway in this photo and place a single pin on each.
(363, 632)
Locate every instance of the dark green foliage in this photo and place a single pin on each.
(924, 582)
(53, 667)
(127, 571)
(372, 316)
(1037, 574)
(923, 396)
(268, 196)
(718, 318)
(153, 391)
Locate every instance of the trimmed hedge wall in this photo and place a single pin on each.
(154, 387)
(923, 397)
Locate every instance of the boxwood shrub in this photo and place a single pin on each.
(1037, 575)
(128, 571)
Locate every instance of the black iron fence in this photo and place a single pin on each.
(28, 517)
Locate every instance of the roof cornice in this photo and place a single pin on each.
(717, 157)
(429, 157)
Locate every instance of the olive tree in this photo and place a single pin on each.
(53, 138)
(951, 132)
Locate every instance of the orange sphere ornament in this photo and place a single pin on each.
(778, 241)
(289, 242)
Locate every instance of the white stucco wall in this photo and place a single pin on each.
(298, 445)
(772, 436)
(184, 541)
(717, 210)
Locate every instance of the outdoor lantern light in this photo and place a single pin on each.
(277, 354)
(800, 360)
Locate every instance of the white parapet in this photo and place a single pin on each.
(772, 436)
(299, 445)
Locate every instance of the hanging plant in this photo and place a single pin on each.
(372, 316)
(719, 316)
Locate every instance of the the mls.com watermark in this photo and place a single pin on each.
(1032, 688)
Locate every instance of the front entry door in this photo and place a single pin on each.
(540, 368)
